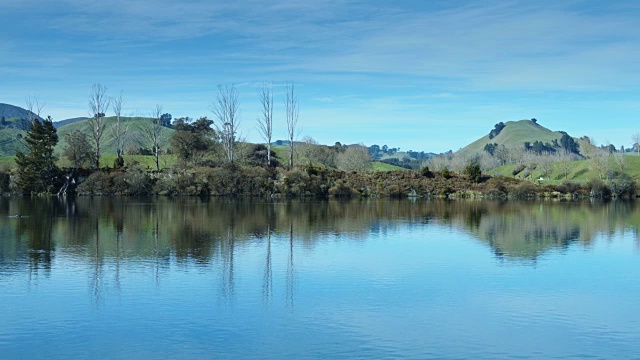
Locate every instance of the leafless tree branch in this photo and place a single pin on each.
(291, 113)
(265, 121)
(225, 109)
(152, 134)
(119, 129)
(98, 106)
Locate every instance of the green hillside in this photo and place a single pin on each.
(381, 166)
(107, 144)
(515, 134)
(10, 134)
(10, 141)
(579, 171)
(9, 111)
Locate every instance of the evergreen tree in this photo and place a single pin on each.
(37, 170)
(473, 172)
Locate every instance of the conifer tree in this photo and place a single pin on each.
(37, 170)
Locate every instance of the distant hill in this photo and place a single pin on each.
(515, 134)
(61, 123)
(11, 111)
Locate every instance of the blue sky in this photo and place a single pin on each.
(419, 75)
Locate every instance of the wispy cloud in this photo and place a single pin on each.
(500, 46)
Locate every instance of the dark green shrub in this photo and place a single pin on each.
(424, 171)
(98, 183)
(132, 182)
(598, 189)
(523, 191)
(395, 191)
(340, 189)
(568, 187)
(118, 162)
(621, 185)
(496, 186)
(472, 172)
(5, 181)
(311, 170)
(224, 181)
(445, 173)
(295, 183)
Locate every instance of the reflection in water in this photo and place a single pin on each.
(96, 280)
(206, 231)
(227, 249)
(267, 282)
(290, 273)
(317, 279)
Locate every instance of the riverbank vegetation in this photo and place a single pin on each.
(159, 155)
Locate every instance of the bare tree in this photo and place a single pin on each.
(78, 150)
(563, 159)
(291, 112)
(355, 157)
(226, 111)
(152, 135)
(265, 122)
(620, 159)
(488, 162)
(636, 142)
(309, 150)
(118, 128)
(601, 163)
(589, 149)
(98, 105)
(34, 108)
(545, 164)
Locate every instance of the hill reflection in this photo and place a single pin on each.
(191, 229)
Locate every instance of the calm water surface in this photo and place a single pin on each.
(188, 278)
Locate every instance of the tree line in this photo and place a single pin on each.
(202, 142)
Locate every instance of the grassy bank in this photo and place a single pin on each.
(579, 171)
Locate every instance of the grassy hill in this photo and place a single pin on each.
(9, 111)
(381, 166)
(577, 171)
(515, 134)
(10, 141)
(61, 123)
(11, 133)
(108, 145)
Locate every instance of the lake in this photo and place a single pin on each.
(413, 279)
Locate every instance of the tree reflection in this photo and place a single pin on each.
(290, 271)
(96, 280)
(34, 220)
(111, 231)
(267, 282)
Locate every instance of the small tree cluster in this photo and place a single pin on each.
(496, 130)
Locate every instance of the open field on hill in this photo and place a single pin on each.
(381, 166)
(579, 171)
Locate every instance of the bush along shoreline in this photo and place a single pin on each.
(309, 181)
